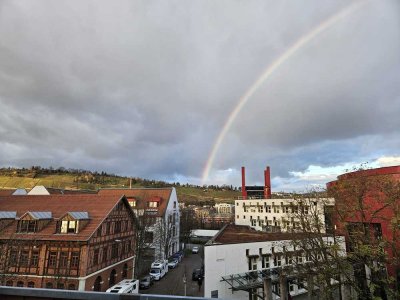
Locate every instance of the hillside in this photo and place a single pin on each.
(81, 179)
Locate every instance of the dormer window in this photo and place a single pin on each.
(33, 221)
(153, 204)
(27, 226)
(72, 222)
(69, 227)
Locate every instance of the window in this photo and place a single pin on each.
(31, 284)
(265, 261)
(277, 260)
(114, 251)
(49, 285)
(105, 253)
(60, 286)
(52, 259)
(132, 203)
(286, 209)
(9, 283)
(63, 259)
(253, 222)
(20, 284)
(117, 228)
(23, 260)
(253, 263)
(268, 209)
(153, 204)
(276, 209)
(71, 286)
(174, 204)
(96, 253)
(291, 287)
(237, 216)
(35, 258)
(13, 258)
(75, 259)
(27, 226)
(69, 227)
(244, 217)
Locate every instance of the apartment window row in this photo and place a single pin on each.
(116, 250)
(23, 258)
(113, 227)
(277, 260)
(63, 259)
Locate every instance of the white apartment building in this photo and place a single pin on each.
(158, 208)
(224, 208)
(282, 214)
(239, 259)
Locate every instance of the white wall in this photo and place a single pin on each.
(222, 260)
(257, 210)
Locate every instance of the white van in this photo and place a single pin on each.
(158, 269)
(126, 286)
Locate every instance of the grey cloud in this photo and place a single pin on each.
(143, 87)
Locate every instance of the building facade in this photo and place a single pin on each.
(158, 213)
(76, 242)
(239, 259)
(283, 214)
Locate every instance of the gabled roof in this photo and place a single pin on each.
(143, 196)
(98, 207)
(38, 215)
(79, 215)
(20, 192)
(38, 190)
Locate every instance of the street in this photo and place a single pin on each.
(172, 283)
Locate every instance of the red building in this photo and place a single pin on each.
(77, 242)
(369, 201)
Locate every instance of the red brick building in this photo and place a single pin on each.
(369, 200)
(77, 242)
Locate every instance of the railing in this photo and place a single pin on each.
(17, 293)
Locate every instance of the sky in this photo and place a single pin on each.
(156, 89)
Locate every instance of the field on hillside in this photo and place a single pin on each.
(69, 181)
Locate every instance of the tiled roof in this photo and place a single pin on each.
(40, 215)
(143, 196)
(236, 234)
(6, 192)
(98, 207)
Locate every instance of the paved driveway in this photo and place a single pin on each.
(172, 283)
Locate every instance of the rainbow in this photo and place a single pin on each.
(302, 41)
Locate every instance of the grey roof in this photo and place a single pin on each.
(8, 214)
(20, 192)
(79, 215)
(40, 214)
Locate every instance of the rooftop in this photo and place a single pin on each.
(82, 206)
(237, 234)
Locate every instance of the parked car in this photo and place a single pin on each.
(172, 263)
(197, 273)
(156, 273)
(145, 282)
(195, 249)
(178, 255)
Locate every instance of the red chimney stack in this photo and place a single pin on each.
(244, 192)
(267, 186)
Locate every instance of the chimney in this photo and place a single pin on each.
(267, 187)
(244, 192)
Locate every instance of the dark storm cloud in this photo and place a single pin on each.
(142, 88)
